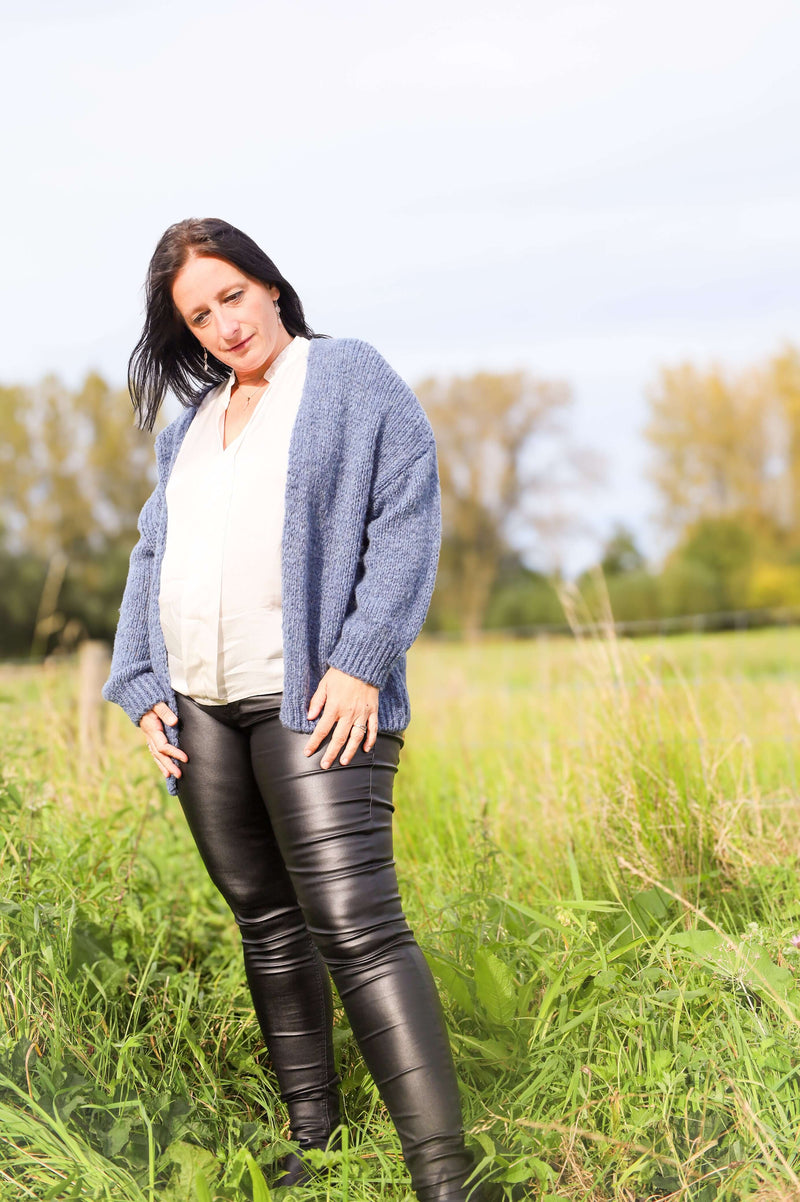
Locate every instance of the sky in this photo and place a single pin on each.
(588, 189)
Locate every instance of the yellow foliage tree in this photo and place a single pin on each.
(727, 444)
(489, 428)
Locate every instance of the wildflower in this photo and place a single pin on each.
(795, 941)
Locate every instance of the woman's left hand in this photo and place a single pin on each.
(350, 709)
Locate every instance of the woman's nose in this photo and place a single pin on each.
(228, 328)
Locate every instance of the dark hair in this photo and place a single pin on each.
(168, 356)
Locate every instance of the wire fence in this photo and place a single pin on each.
(728, 619)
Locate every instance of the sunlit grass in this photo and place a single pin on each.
(597, 844)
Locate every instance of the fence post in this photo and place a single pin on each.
(94, 660)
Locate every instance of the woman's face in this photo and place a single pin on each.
(230, 314)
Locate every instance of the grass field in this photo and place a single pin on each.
(598, 846)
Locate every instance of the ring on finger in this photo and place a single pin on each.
(359, 726)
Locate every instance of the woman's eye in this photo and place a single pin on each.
(234, 296)
(200, 319)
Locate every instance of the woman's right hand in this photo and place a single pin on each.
(162, 751)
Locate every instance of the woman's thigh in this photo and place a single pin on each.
(226, 814)
(334, 830)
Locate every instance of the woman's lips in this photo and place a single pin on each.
(239, 346)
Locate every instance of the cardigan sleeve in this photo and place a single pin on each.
(132, 683)
(402, 537)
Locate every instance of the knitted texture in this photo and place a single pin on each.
(360, 543)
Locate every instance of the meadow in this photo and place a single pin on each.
(597, 843)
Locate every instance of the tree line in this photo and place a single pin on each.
(725, 462)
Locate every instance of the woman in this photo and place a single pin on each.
(261, 649)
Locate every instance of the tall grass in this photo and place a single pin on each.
(597, 843)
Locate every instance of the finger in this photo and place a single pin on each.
(165, 756)
(317, 702)
(151, 724)
(159, 762)
(165, 713)
(372, 730)
(153, 727)
(320, 733)
(157, 743)
(338, 740)
(175, 752)
(156, 738)
(357, 733)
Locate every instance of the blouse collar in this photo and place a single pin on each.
(285, 356)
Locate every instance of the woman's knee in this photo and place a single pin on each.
(277, 941)
(362, 933)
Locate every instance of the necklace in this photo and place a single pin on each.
(257, 388)
(239, 422)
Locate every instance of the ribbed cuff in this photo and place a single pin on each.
(367, 654)
(135, 696)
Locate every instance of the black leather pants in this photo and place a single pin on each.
(303, 856)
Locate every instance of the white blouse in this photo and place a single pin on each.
(220, 594)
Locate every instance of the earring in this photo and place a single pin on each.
(277, 310)
(205, 359)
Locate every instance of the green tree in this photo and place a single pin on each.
(522, 597)
(720, 553)
(74, 473)
(621, 555)
(74, 470)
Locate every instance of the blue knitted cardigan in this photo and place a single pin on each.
(360, 543)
